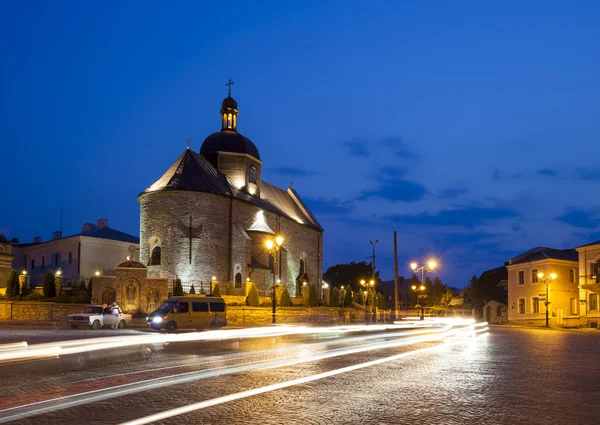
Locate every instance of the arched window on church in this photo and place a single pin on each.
(229, 120)
(301, 278)
(155, 257)
(238, 280)
(252, 175)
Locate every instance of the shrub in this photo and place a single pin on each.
(177, 288)
(192, 289)
(88, 293)
(228, 290)
(348, 297)
(252, 298)
(49, 285)
(334, 300)
(12, 285)
(380, 301)
(216, 290)
(313, 300)
(360, 299)
(285, 300)
(202, 291)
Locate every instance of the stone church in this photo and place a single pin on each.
(208, 217)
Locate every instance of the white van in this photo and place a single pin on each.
(190, 311)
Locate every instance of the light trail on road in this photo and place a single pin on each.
(274, 387)
(32, 409)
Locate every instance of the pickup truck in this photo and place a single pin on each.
(98, 317)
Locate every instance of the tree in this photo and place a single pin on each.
(380, 301)
(334, 300)
(285, 300)
(360, 299)
(447, 297)
(348, 301)
(49, 285)
(88, 291)
(481, 290)
(228, 290)
(252, 299)
(192, 290)
(349, 274)
(12, 285)
(216, 290)
(177, 288)
(313, 300)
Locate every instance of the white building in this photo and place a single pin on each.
(96, 248)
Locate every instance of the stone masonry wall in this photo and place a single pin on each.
(262, 316)
(37, 310)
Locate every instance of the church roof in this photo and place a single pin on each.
(229, 141)
(191, 171)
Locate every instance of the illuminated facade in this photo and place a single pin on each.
(527, 290)
(589, 283)
(208, 217)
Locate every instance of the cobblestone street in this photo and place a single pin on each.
(509, 376)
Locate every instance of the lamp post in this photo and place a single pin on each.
(369, 285)
(431, 264)
(273, 247)
(547, 280)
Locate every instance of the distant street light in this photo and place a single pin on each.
(547, 280)
(273, 248)
(369, 285)
(415, 267)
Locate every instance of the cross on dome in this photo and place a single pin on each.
(229, 83)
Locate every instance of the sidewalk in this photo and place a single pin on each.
(551, 328)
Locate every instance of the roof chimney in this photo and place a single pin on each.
(102, 223)
(37, 239)
(87, 227)
(56, 235)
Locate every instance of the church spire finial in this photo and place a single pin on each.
(229, 84)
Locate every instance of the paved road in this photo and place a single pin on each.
(509, 376)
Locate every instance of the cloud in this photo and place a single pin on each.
(452, 193)
(392, 171)
(399, 147)
(547, 172)
(292, 171)
(397, 190)
(357, 147)
(463, 238)
(577, 217)
(467, 216)
(329, 206)
(588, 174)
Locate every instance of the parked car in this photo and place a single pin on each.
(197, 312)
(98, 316)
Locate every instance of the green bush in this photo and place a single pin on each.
(360, 298)
(192, 289)
(348, 301)
(228, 290)
(12, 285)
(252, 298)
(380, 301)
(334, 300)
(285, 300)
(216, 290)
(177, 288)
(313, 300)
(49, 285)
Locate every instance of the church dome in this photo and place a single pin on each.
(229, 141)
(229, 103)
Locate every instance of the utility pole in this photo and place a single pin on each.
(395, 277)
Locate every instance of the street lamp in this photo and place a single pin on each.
(431, 265)
(546, 280)
(369, 285)
(273, 247)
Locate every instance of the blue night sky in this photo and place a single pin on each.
(471, 128)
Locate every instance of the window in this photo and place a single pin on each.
(70, 258)
(573, 306)
(593, 302)
(594, 272)
(521, 280)
(57, 258)
(32, 263)
(182, 307)
(200, 307)
(535, 305)
(238, 280)
(252, 175)
(229, 120)
(571, 276)
(534, 276)
(217, 307)
(521, 305)
(43, 261)
(155, 257)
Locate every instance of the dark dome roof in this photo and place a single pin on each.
(229, 141)
(229, 102)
